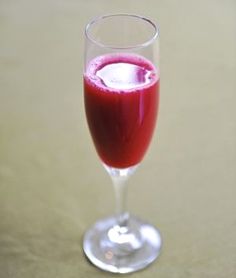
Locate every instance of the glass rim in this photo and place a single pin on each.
(113, 47)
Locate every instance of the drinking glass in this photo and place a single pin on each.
(121, 96)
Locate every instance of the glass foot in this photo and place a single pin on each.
(122, 249)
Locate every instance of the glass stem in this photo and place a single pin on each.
(120, 187)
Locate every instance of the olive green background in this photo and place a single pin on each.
(52, 185)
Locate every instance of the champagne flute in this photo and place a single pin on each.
(121, 96)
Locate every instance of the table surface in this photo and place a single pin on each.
(52, 185)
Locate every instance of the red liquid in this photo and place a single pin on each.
(121, 100)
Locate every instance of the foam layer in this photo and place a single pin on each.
(121, 72)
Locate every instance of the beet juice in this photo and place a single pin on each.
(121, 102)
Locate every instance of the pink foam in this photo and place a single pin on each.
(101, 61)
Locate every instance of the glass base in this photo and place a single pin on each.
(122, 249)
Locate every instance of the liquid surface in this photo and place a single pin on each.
(121, 95)
(124, 76)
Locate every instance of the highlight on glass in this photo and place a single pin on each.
(121, 97)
